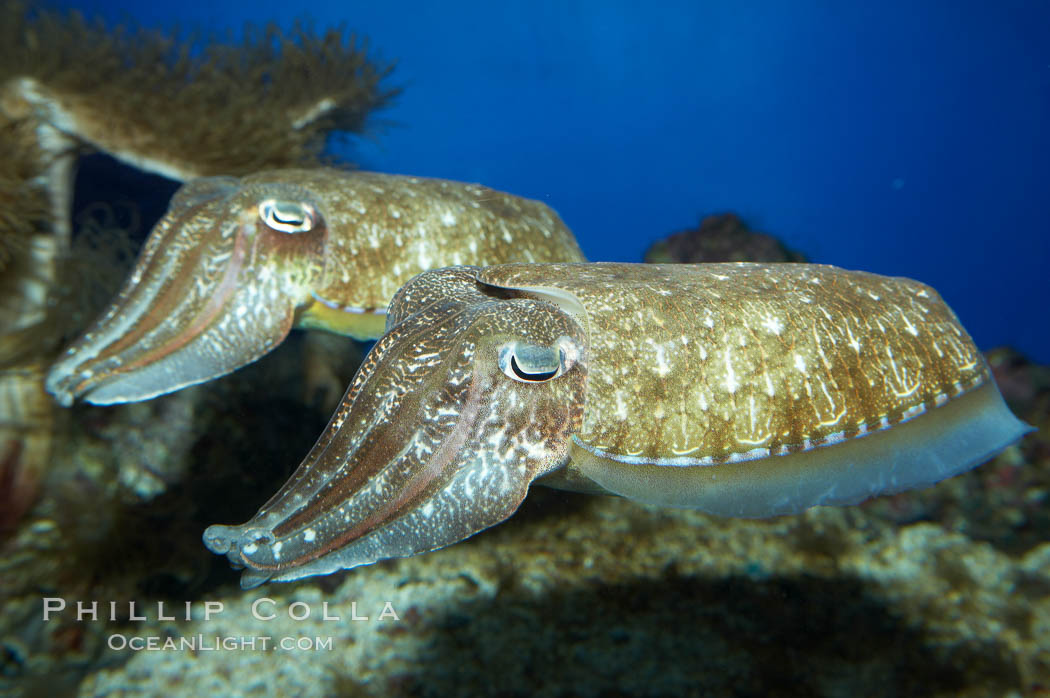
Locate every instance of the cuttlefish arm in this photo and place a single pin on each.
(750, 390)
(209, 293)
(397, 471)
(236, 263)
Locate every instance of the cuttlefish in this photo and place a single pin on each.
(234, 264)
(738, 389)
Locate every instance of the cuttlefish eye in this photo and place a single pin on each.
(534, 363)
(288, 216)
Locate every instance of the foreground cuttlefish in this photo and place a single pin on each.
(236, 263)
(738, 389)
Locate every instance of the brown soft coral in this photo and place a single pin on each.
(162, 105)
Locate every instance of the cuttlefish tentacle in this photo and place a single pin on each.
(737, 389)
(193, 309)
(236, 263)
(370, 488)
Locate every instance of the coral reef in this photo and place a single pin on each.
(720, 238)
(187, 107)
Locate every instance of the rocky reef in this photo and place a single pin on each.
(720, 237)
(584, 596)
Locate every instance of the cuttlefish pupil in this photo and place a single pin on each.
(288, 216)
(736, 389)
(530, 363)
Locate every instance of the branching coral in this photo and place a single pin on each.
(191, 107)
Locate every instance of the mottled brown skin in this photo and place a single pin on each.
(742, 389)
(738, 357)
(236, 263)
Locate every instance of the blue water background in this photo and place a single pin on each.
(897, 137)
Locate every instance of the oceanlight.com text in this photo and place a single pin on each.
(214, 643)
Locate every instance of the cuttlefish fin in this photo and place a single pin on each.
(360, 323)
(945, 442)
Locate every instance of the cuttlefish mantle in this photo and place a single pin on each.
(236, 263)
(737, 389)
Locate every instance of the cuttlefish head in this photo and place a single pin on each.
(217, 285)
(465, 400)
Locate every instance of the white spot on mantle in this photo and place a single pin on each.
(731, 382)
(773, 324)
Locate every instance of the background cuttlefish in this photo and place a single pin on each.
(738, 389)
(234, 264)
